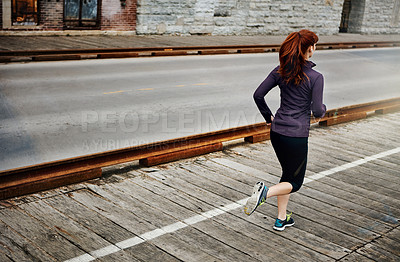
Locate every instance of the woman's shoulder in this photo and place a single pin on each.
(311, 72)
(275, 70)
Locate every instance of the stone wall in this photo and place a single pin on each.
(224, 17)
(381, 17)
(237, 17)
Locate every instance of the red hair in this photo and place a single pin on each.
(292, 55)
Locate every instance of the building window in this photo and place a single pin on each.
(24, 12)
(81, 13)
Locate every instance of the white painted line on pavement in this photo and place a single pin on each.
(214, 212)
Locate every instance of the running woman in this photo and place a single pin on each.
(301, 89)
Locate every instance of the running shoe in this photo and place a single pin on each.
(281, 224)
(257, 198)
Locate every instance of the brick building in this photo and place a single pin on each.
(211, 17)
(59, 15)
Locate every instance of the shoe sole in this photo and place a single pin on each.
(282, 228)
(252, 202)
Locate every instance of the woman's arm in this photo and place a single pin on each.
(269, 83)
(317, 107)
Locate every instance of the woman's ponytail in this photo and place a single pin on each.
(292, 55)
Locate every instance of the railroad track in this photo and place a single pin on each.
(80, 54)
(30, 179)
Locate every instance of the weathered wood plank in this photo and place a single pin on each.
(128, 192)
(355, 257)
(253, 159)
(301, 243)
(129, 217)
(98, 223)
(49, 240)
(327, 217)
(359, 136)
(4, 258)
(212, 246)
(256, 174)
(359, 215)
(390, 245)
(362, 200)
(74, 232)
(19, 248)
(173, 194)
(150, 252)
(377, 253)
(120, 256)
(228, 194)
(183, 250)
(391, 173)
(179, 179)
(353, 177)
(394, 234)
(379, 172)
(389, 202)
(252, 247)
(223, 181)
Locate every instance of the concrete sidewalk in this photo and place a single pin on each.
(93, 42)
(192, 210)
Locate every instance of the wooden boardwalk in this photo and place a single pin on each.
(191, 210)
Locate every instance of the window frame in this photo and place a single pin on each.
(14, 5)
(80, 22)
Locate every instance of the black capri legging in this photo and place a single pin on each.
(292, 155)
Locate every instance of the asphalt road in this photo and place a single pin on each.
(56, 110)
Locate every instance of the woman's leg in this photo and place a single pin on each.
(282, 192)
(283, 201)
(280, 189)
(292, 155)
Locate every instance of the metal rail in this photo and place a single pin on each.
(78, 54)
(30, 179)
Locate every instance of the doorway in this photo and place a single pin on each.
(344, 22)
(352, 16)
